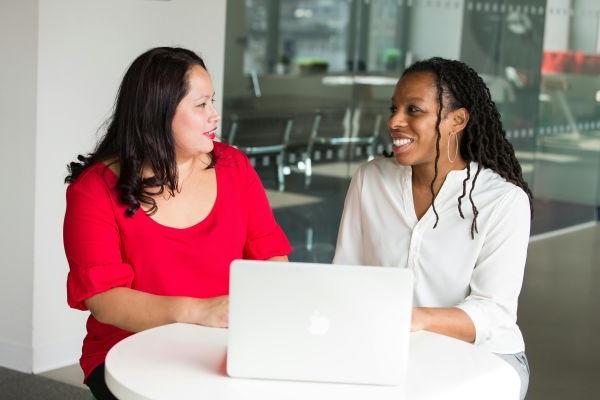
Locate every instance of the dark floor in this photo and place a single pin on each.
(559, 313)
(19, 386)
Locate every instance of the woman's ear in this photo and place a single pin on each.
(460, 118)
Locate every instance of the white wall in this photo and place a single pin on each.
(584, 23)
(18, 19)
(237, 84)
(83, 49)
(557, 26)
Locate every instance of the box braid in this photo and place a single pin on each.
(483, 139)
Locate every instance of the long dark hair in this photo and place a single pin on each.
(139, 132)
(483, 139)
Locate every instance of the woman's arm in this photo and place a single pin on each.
(265, 240)
(491, 304)
(452, 322)
(135, 311)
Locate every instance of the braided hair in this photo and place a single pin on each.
(483, 139)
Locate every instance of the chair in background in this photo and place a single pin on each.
(266, 136)
(304, 125)
(368, 128)
(346, 129)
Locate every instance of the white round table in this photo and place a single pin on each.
(181, 361)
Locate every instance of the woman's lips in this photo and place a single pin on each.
(210, 134)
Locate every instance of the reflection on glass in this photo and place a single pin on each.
(330, 67)
(286, 36)
(568, 139)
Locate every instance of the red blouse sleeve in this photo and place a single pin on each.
(265, 238)
(92, 241)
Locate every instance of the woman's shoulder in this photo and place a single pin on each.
(225, 150)
(493, 181)
(499, 190)
(98, 176)
(229, 156)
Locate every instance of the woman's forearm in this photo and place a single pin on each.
(135, 311)
(452, 322)
(279, 258)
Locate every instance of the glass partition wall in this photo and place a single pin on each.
(568, 131)
(308, 83)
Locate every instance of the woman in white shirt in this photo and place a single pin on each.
(450, 203)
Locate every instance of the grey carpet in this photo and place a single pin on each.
(16, 385)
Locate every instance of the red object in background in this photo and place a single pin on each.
(591, 64)
(576, 62)
(553, 62)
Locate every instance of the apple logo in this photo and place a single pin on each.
(319, 324)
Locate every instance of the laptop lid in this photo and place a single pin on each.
(319, 322)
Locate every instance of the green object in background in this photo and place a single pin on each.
(391, 58)
(310, 65)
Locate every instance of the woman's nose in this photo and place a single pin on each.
(396, 120)
(215, 116)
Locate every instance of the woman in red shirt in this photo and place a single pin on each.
(158, 211)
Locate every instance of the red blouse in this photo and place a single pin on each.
(106, 249)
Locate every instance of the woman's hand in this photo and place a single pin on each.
(452, 322)
(420, 319)
(213, 312)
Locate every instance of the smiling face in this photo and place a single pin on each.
(195, 121)
(413, 118)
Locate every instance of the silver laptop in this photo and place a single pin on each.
(319, 322)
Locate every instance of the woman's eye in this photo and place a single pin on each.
(413, 109)
(203, 105)
(393, 109)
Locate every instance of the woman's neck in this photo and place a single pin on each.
(188, 165)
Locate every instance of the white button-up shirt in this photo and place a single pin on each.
(482, 276)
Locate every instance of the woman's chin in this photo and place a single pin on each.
(206, 146)
(197, 149)
(402, 159)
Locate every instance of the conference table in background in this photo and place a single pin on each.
(182, 361)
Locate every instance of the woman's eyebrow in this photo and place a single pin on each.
(411, 99)
(206, 96)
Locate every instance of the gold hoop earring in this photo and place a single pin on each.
(448, 147)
